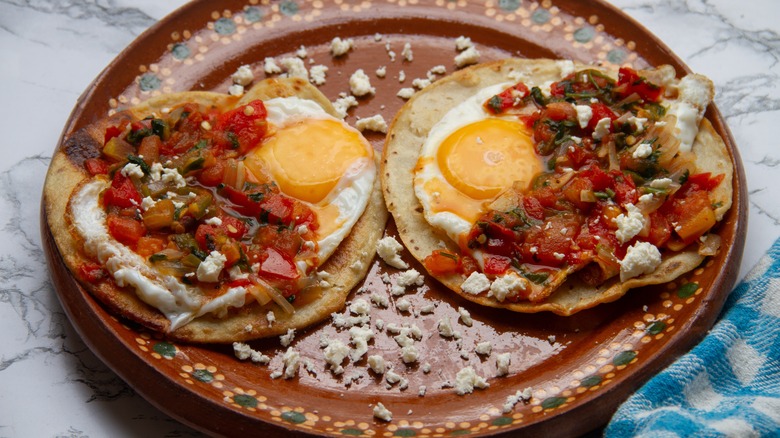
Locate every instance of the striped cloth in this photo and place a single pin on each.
(728, 385)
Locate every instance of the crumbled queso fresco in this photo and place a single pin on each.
(381, 412)
(352, 343)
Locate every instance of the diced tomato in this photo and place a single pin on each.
(468, 265)
(91, 272)
(206, 236)
(551, 243)
(239, 282)
(272, 208)
(111, 132)
(600, 111)
(278, 266)
(496, 265)
(234, 227)
(630, 82)
(529, 120)
(594, 232)
(579, 156)
(660, 229)
(125, 230)
(122, 192)
(533, 207)
(581, 84)
(186, 131)
(690, 213)
(283, 239)
(546, 196)
(276, 209)
(601, 180)
(554, 120)
(96, 166)
(148, 245)
(254, 254)
(232, 252)
(559, 111)
(702, 181)
(572, 192)
(497, 239)
(441, 262)
(243, 204)
(303, 215)
(150, 149)
(212, 176)
(501, 102)
(180, 142)
(624, 188)
(242, 128)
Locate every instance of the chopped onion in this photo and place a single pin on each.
(171, 254)
(710, 244)
(259, 293)
(614, 162)
(276, 296)
(587, 196)
(561, 181)
(609, 264)
(240, 175)
(633, 97)
(230, 173)
(650, 206)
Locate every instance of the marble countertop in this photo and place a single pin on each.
(51, 384)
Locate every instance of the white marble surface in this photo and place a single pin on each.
(52, 385)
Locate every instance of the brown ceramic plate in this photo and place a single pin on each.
(580, 368)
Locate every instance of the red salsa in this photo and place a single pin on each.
(179, 191)
(606, 145)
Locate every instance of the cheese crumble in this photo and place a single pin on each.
(475, 284)
(339, 47)
(360, 83)
(389, 250)
(381, 412)
(467, 379)
(374, 123)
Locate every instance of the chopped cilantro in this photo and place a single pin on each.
(140, 162)
(154, 258)
(161, 129)
(256, 197)
(684, 177)
(538, 97)
(494, 104)
(448, 255)
(536, 277)
(233, 140)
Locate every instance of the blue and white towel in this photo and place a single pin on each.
(729, 384)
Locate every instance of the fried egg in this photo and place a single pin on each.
(468, 158)
(310, 155)
(320, 161)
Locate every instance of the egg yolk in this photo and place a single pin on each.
(482, 159)
(307, 158)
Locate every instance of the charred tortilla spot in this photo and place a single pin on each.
(80, 146)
